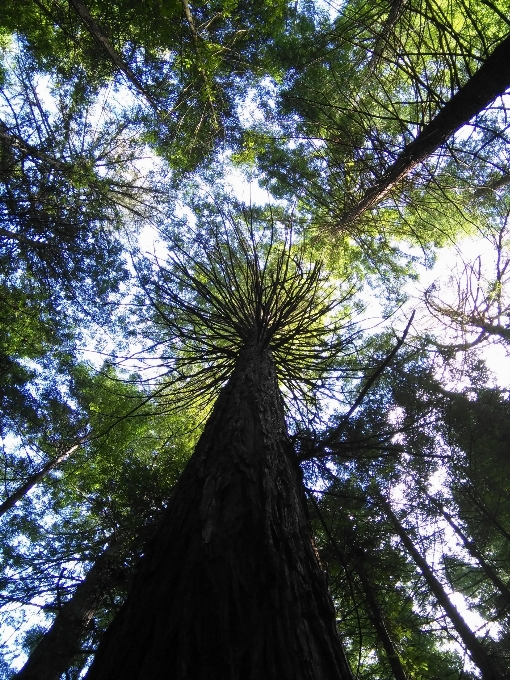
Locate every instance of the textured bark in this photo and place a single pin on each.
(231, 586)
(54, 653)
(490, 81)
(397, 8)
(479, 655)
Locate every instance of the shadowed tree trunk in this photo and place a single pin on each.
(488, 668)
(375, 611)
(377, 616)
(56, 650)
(231, 586)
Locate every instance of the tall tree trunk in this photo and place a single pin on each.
(477, 652)
(490, 81)
(22, 490)
(102, 40)
(377, 617)
(34, 479)
(231, 586)
(54, 653)
(375, 611)
(474, 552)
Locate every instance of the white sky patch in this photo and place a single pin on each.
(151, 244)
(437, 481)
(249, 192)
(448, 276)
(397, 494)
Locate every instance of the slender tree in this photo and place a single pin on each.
(54, 653)
(115, 486)
(487, 665)
(490, 81)
(358, 556)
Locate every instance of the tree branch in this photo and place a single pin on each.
(368, 385)
(100, 37)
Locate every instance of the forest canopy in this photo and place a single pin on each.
(296, 213)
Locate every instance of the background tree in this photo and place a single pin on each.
(108, 495)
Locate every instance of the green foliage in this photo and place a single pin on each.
(133, 120)
(239, 280)
(363, 88)
(188, 68)
(134, 453)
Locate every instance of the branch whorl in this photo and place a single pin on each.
(242, 284)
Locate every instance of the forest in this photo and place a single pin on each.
(254, 338)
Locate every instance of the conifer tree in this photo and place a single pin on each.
(231, 585)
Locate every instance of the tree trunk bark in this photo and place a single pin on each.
(54, 653)
(378, 619)
(231, 587)
(476, 651)
(490, 81)
(477, 501)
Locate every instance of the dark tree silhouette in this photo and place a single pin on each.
(231, 585)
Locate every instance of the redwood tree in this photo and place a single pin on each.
(231, 585)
